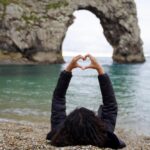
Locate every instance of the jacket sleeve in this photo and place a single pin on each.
(58, 110)
(107, 111)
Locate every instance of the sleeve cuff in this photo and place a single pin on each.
(102, 75)
(66, 74)
(103, 78)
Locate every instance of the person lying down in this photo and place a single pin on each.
(82, 126)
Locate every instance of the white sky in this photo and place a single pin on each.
(85, 35)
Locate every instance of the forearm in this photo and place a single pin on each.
(58, 108)
(62, 84)
(100, 70)
(108, 111)
(69, 68)
(107, 90)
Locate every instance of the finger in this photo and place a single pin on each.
(89, 55)
(75, 57)
(79, 66)
(88, 67)
(79, 57)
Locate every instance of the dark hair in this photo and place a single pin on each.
(81, 127)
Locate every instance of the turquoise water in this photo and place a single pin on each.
(26, 92)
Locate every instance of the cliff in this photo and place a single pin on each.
(33, 30)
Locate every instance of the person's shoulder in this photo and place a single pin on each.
(50, 135)
(113, 141)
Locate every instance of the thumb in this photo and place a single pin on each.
(79, 66)
(88, 67)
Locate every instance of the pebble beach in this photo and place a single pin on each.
(31, 136)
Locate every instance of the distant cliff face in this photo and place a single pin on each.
(33, 30)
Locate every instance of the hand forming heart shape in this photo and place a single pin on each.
(93, 65)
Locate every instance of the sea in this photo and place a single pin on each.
(26, 92)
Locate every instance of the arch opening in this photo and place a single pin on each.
(85, 35)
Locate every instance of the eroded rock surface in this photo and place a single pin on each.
(34, 30)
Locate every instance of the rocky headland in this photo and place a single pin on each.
(32, 31)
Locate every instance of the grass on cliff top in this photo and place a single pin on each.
(32, 17)
(7, 2)
(56, 5)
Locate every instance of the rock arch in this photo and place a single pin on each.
(120, 29)
(36, 29)
(86, 37)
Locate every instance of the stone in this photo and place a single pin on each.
(47, 57)
(17, 38)
(10, 55)
(14, 11)
(36, 29)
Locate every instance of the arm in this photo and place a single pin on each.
(107, 111)
(58, 114)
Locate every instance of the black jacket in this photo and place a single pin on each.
(107, 112)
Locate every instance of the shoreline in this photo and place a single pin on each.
(12, 62)
(25, 61)
(26, 136)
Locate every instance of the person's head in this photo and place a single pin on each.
(81, 127)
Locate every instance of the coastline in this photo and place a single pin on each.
(25, 61)
(26, 136)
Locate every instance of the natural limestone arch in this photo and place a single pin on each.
(34, 30)
(120, 29)
(95, 28)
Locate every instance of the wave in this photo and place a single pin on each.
(25, 112)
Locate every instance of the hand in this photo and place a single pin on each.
(94, 64)
(73, 64)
